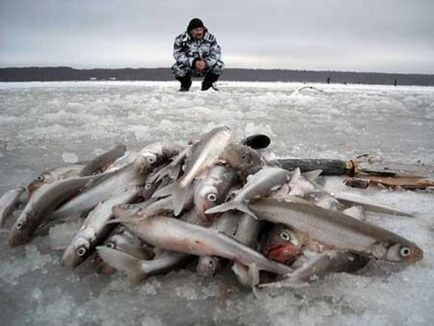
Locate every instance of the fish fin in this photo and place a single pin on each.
(312, 175)
(371, 206)
(247, 276)
(167, 190)
(296, 175)
(241, 273)
(171, 170)
(230, 205)
(242, 207)
(123, 262)
(179, 196)
(253, 274)
(160, 174)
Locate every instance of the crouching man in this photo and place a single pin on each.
(197, 54)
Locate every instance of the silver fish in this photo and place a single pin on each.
(213, 189)
(123, 240)
(127, 159)
(227, 224)
(247, 233)
(8, 202)
(175, 235)
(205, 154)
(154, 155)
(45, 201)
(100, 163)
(216, 146)
(138, 269)
(53, 175)
(321, 266)
(152, 207)
(114, 185)
(338, 230)
(260, 184)
(94, 229)
(153, 185)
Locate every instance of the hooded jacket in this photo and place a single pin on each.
(187, 50)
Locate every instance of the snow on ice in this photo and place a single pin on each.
(44, 125)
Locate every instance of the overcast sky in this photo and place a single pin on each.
(364, 35)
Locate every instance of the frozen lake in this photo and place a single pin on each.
(44, 125)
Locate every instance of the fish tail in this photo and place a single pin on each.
(123, 262)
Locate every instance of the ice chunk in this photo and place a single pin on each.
(69, 157)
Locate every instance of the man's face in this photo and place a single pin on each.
(197, 33)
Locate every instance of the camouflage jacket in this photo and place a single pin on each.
(186, 49)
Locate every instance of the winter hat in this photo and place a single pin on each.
(194, 23)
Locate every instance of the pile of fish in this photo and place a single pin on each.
(216, 200)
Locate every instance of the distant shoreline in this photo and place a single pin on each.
(230, 74)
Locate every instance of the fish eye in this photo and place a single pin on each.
(232, 194)
(40, 178)
(81, 251)
(151, 159)
(19, 225)
(212, 197)
(285, 236)
(148, 186)
(110, 245)
(243, 157)
(404, 251)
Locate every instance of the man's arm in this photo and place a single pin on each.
(214, 54)
(179, 52)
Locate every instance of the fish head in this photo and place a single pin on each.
(407, 252)
(170, 150)
(76, 252)
(282, 244)
(21, 231)
(148, 190)
(41, 180)
(241, 157)
(208, 265)
(103, 267)
(205, 197)
(146, 162)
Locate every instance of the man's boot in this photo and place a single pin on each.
(185, 83)
(209, 80)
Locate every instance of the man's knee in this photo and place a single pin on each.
(217, 69)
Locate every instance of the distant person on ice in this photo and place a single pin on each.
(197, 54)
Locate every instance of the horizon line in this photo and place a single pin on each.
(232, 68)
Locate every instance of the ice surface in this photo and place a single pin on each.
(61, 234)
(39, 122)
